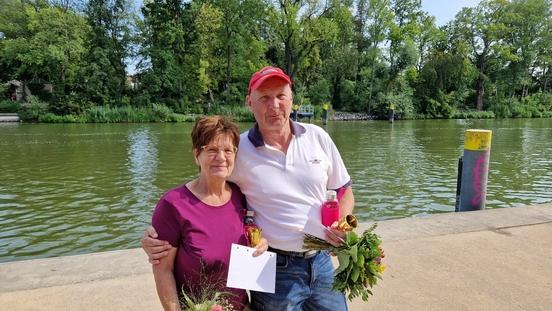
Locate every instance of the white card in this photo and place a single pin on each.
(248, 272)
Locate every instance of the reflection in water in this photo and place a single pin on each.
(142, 165)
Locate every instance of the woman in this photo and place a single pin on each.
(201, 220)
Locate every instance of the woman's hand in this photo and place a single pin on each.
(261, 247)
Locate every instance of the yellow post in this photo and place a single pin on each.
(475, 170)
(391, 113)
(325, 112)
(295, 109)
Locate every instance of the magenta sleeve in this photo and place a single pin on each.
(166, 222)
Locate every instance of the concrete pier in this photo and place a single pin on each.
(498, 259)
(9, 117)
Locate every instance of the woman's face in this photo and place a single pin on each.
(216, 159)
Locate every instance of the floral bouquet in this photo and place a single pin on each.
(359, 257)
(207, 301)
(209, 296)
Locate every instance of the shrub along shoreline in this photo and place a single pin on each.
(38, 111)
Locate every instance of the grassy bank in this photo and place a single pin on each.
(38, 111)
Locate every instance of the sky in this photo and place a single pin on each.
(445, 10)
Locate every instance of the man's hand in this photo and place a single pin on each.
(261, 247)
(334, 236)
(155, 249)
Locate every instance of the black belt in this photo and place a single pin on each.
(306, 255)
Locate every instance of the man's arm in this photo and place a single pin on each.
(347, 202)
(154, 248)
(346, 206)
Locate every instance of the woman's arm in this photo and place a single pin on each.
(165, 282)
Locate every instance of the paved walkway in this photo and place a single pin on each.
(496, 259)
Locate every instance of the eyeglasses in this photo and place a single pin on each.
(213, 151)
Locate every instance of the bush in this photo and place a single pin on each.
(533, 106)
(52, 118)
(177, 117)
(404, 107)
(472, 114)
(161, 113)
(500, 107)
(239, 113)
(320, 92)
(69, 104)
(4, 90)
(33, 110)
(9, 106)
(107, 114)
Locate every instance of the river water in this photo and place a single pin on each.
(80, 188)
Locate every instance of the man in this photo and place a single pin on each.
(284, 169)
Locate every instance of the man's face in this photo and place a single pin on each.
(271, 104)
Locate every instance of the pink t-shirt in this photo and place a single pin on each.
(203, 235)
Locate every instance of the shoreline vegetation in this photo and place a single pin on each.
(195, 57)
(38, 112)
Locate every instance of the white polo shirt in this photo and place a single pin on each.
(285, 190)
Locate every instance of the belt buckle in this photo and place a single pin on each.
(309, 254)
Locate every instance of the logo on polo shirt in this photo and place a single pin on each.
(315, 161)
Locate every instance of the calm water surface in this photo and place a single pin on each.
(81, 188)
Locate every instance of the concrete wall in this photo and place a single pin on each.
(496, 259)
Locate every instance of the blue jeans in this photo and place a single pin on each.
(301, 284)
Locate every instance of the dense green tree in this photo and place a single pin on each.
(446, 78)
(47, 43)
(373, 23)
(340, 62)
(528, 23)
(163, 51)
(300, 27)
(240, 47)
(483, 28)
(360, 55)
(108, 47)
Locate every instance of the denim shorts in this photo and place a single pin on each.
(301, 284)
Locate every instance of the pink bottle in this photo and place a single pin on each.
(330, 209)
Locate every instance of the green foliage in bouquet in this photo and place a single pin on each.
(210, 296)
(208, 300)
(360, 264)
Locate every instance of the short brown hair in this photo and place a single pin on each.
(208, 128)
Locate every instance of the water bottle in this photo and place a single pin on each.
(330, 209)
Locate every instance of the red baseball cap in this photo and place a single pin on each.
(264, 74)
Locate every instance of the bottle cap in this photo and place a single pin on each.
(331, 195)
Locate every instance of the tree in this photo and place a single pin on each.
(373, 22)
(240, 46)
(340, 60)
(527, 44)
(51, 47)
(482, 28)
(108, 46)
(163, 51)
(300, 27)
